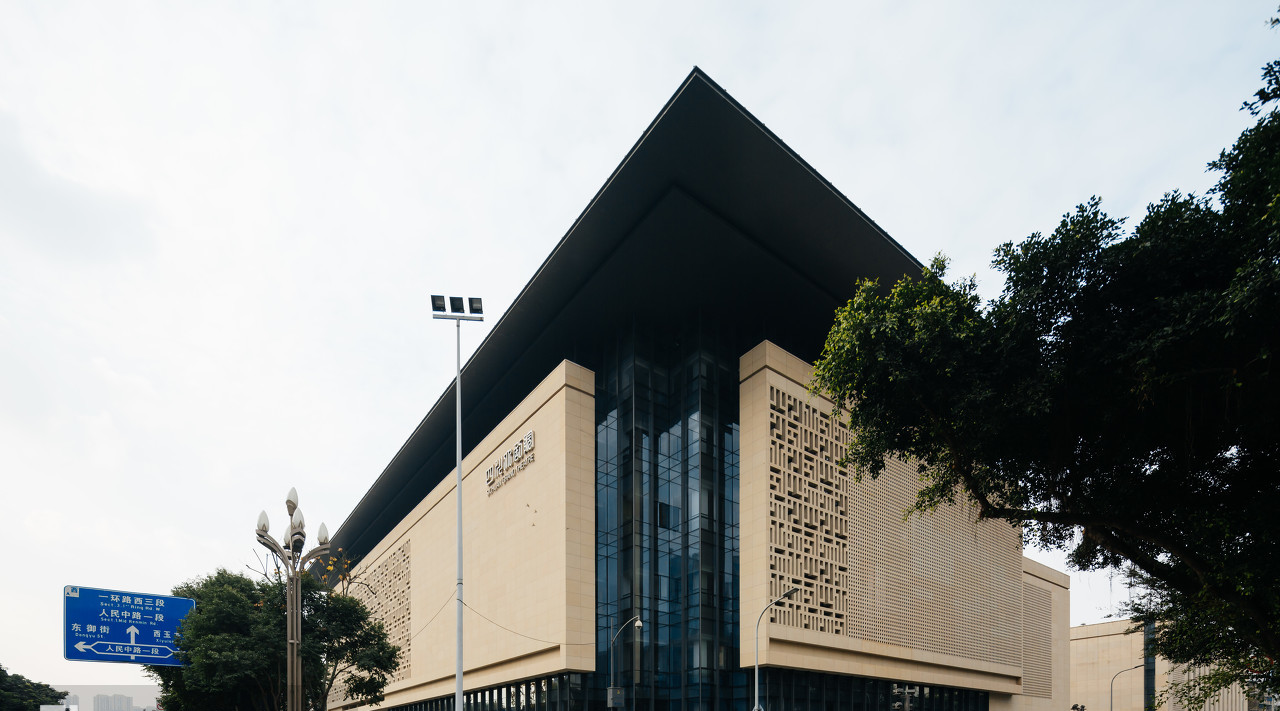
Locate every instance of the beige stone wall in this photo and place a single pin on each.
(529, 553)
(1046, 642)
(1099, 651)
(1230, 699)
(936, 599)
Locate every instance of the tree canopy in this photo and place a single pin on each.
(1117, 400)
(18, 693)
(233, 647)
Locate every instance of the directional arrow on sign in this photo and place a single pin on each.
(161, 651)
(133, 634)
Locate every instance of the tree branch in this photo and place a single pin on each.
(1103, 530)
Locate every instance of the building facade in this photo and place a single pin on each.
(1111, 669)
(641, 444)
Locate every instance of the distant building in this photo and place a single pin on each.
(1112, 653)
(114, 702)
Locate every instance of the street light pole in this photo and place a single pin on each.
(458, 314)
(773, 602)
(613, 677)
(295, 566)
(1113, 684)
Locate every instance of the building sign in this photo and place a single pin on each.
(506, 466)
(116, 626)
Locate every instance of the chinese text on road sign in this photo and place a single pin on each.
(115, 626)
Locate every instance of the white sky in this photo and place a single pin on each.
(219, 222)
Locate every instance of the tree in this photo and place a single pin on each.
(1118, 400)
(233, 647)
(18, 693)
(361, 659)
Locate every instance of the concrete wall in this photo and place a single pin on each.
(529, 553)
(1046, 642)
(1100, 652)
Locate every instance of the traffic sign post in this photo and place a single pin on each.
(116, 626)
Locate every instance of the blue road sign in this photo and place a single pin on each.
(114, 626)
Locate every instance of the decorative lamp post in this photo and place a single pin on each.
(773, 602)
(1113, 684)
(615, 691)
(473, 311)
(294, 563)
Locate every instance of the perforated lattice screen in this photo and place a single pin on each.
(808, 504)
(386, 594)
(1037, 642)
(940, 582)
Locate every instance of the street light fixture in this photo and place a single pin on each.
(295, 566)
(1113, 684)
(615, 691)
(458, 314)
(773, 602)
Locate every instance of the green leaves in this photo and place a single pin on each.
(1118, 400)
(18, 693)
(233, 647)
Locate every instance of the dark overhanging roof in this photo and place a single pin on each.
(709, 202)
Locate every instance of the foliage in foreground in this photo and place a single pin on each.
(18, 693)
(1118, 400)
(233, 647)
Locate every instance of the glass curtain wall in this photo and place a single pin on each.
(795, 690)
(559, 692)
(667, 521)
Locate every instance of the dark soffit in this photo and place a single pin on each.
(705, 180)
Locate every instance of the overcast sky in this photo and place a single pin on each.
(219, 222)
